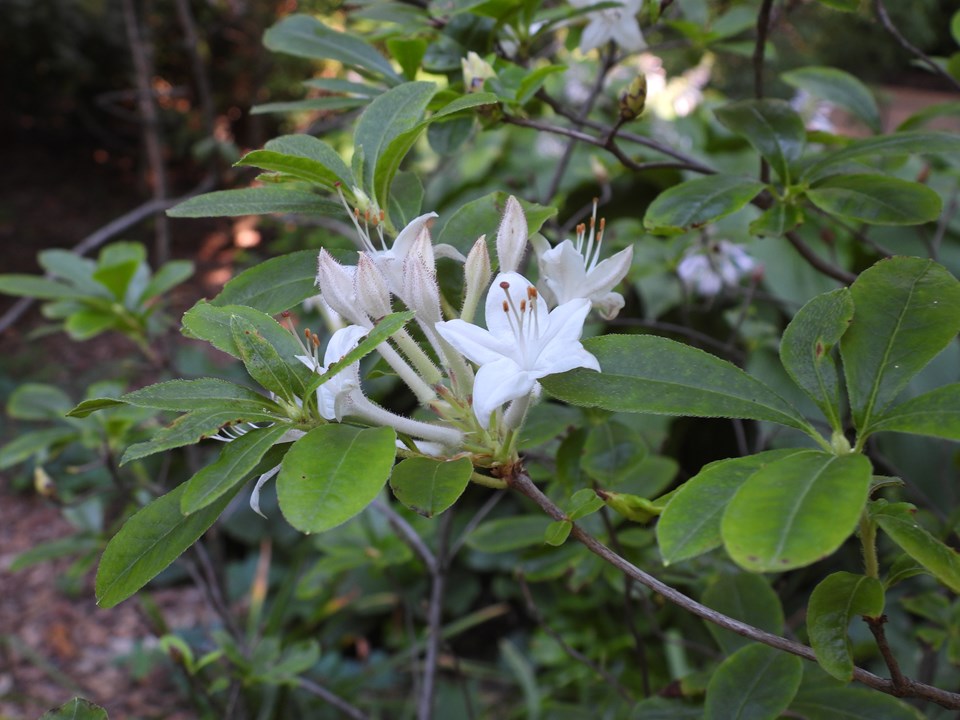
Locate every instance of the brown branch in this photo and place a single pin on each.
(566, 647)
(435, 618)
(152, 133)
(897, 678)
(894, 31)
(522, 484)
(817, 262)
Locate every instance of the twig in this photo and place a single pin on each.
(152, 134)
(763, 26)
(948, 212)
(605, 65)
(896, 675)
(331, 699)
(525, 486)
(435, 619)
(894, 31)
(817, 262)
(100, 236)
(628, 611)
(477, 518)
(571, 651)
(407, 534)
(191, 43)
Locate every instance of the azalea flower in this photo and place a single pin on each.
(333, 396)
(523, 342)
(574, 270)
(617, 24)
(707, 269)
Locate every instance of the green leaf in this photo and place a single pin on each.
(384, 329)
(901, 143)
(85, 324)
(116, 278)
(28, 444)
(755, 683)
(806, 349)
(842, 5)
(192, 428)
(305, 36)
(897, 521)
(76, 709)
(389, 115)
(34, 286)
(339, 85)
(839, 88)
(796, 510)
(92, 405)
(482, 217)
(876, 199)
(850, 703)
(204, 394)
(936, 413)
(406, 198)
(37, 401)
(534, 80)
(506, 534)
(557, 532)
(648, 374)
(304, 157)
(255, 201)
(76, 270)
(148, 542)
(263, 362)
(747, 597)
(396, 148)
(237, 459)
(777, 220)
(907, 311)
(695, 203)
(54, 550)
(428, 486)
(833, 604)
(771, 126)
(167, 277)
(273, 285)
(210, 323)
(612, 453)
(409, 53)
(332, 473)
(309, 105)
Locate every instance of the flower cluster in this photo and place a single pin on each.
(477, 380)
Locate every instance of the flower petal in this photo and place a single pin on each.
(607, 274)
(564, 272)
(472, 341)
(501, 324)
(595, 34)
(407, 236)
(626, 33)
(498, 382)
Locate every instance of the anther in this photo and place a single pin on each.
(523, 306)
(505, 285)
(506, 308)
(531, 292)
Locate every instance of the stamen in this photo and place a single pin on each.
(506, 308)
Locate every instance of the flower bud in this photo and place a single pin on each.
(511, 236)
(336, 286)
(634, 98)
(475, 71)
(370, 288)
(476, 273)
(420, 291)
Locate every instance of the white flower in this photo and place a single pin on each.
(523, 342)
(617, 24)
(574, 270)
(334, 395)
(511, 236)
(708, 268)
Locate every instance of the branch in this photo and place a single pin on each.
(406, 533)
(763, 26)
(98, 237)
(331, 699)
(894, 31)
(571, 651)
(896, 675)
(435, 619)
(817, 262)
(911, 688)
